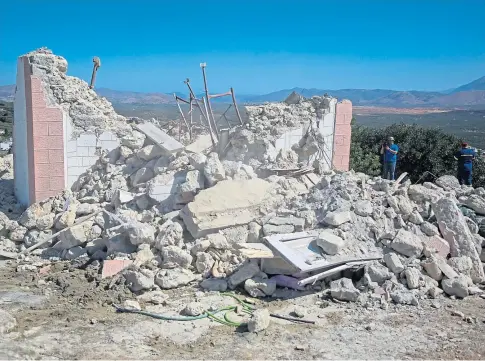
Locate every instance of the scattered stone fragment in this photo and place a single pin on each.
(457, 286)
(378, 273)
(458, 313)
(344, 290)
(412, 277)
(259, 287)
(194, 309)
(363, 208)
(393, 262)
(330, 243)
(8, 322)
(337, 218)
(407, 243)
(139, 280)
(132, 305)
(246, 271)
(155, 297)
(259, 321)
(214, 284)
(173, 278)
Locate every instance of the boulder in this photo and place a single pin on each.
(214, 170)
(194, 182)
(173, 278)
(170, 233)
(74, 236)
(337, 218)
(378, 273)
(455, 231)
(139, 280)
(214, 284)
(140, 233)
(432, 268)
(412, 277)
(329, 242)
(260, 287)
(457, 286)
(363, 208)
(175, 257)
(32, 214)
(246, 271)
(393, 262)
(344, 290)
(259, 320)
(429, 229)
(407, 243)
(474, 202)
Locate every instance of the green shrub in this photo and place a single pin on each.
(420, 150)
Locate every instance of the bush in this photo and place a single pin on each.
(420, 150)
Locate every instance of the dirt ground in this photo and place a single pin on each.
(66, 313)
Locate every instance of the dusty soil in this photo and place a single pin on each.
(66, 313)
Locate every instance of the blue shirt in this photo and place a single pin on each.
(390, 157)
(465, 157)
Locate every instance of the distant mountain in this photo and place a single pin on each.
(468, 95)
(478, 84)
(126, 97)
(7, 92)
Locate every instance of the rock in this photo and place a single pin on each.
(254, 232)
(236, 235)
(204, 263)
(193, 184)
(344, 290)
(269, 229)
(246, 271)
(297, 223)
(259, 320)
(472, 226)
(448, 182)
(132, 305)
(474, 290)
(155, 297)
(194, 309)
(133, 141)
(457, 286)
(435, 292)
(144, 255)
(298, 312)
(197, 160)
(32, 214)
(393, 262)
(170, 234)
(404, 297)
(337, 218)
(378, 273)
(438, 245)
(259, 287)
(474, 202)
(214, 170)
(18, 234)
(175, 257)
(173, 278)
(458, 313)
(142, 175)
(8, 322)
(455, 231)
(415, 218)
(214, 284)
(74, 236)
(139, 280)
(421, 194)
(330, 243)
(407, 243)
(429, 229)
(140, 233)
(432, 268)
(45, 222)
(461, 264)
(363, 208)
(121, 197)
(150, 152)
(412, 277)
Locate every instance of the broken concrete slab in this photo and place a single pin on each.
(455, 231)
(160, 138)
(229, 203)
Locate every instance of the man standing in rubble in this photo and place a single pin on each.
(465, 157)
(389, 150)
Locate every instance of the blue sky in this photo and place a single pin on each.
(254, 46)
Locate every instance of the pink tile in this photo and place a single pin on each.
(56, 156)
(113, 267)
(41, 156)
(56, 128)
(41, 128)
(57, 183)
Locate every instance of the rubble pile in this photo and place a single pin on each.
(173, 219)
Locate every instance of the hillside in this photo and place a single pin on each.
(475, 85)
(6, 120)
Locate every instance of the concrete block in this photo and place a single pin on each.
(109, 144)
(91, 151)
(89, 161)
(71, 146)
(86, 140)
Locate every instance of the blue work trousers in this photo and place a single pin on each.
(389, 170)
(465, 175)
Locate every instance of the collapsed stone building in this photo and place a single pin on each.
(275, 207)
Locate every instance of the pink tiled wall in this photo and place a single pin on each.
(341, 139)
(45, 141)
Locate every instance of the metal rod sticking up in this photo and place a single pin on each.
(96, 66)
(210, 113)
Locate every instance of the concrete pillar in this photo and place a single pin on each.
(342, 135)
(38, 140)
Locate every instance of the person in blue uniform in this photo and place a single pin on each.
(389, 150)
(465, 158)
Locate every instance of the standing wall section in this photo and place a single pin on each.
(342, 137)
(38, 140)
